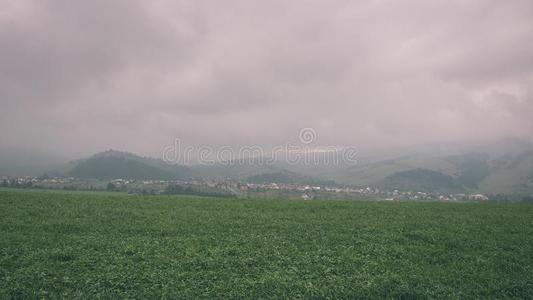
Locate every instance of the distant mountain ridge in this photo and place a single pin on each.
(421, 180)
(504, 167)
(501, 167)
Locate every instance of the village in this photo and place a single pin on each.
(233, 188)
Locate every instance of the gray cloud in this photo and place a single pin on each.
(83, 76)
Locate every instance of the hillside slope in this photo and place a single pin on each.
(114, 164)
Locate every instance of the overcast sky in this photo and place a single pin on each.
(85, 76)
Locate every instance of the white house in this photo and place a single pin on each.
(478, 197)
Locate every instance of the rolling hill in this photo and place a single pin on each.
(114, 164)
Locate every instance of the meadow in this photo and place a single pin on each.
(106, 245)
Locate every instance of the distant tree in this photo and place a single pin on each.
(5, 183)
(14, 183)
(111, 187)
(174, 190)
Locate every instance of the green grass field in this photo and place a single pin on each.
(86, 245)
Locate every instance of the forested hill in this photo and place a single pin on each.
(114, 164)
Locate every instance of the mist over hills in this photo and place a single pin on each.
(503, 167)
(30, 162)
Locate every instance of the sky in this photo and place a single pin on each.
(79, 77)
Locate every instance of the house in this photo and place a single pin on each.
(478, 197)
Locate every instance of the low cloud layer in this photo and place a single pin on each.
(84, 76)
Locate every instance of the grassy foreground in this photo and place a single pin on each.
(82, 245)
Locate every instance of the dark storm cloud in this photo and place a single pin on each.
(134, 75)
